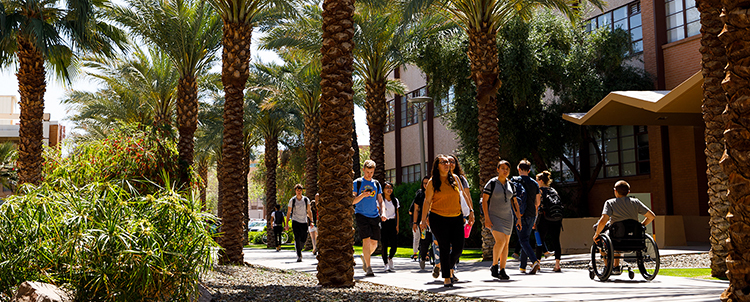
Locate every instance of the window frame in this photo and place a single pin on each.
(683, 12)
(632, 9)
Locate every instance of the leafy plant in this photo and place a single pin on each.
(107, 223)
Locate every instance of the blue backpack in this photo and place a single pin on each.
(520, 193)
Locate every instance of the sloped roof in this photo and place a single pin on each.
(679, 107)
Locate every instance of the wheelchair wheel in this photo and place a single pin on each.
(648, 259)
(602, 258)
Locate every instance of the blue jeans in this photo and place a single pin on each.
(523, 236)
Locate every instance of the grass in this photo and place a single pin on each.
(401, 252)
(697, 273)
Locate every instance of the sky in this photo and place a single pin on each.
(59, 112)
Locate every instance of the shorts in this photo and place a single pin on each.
(312, 229)
(368, 227)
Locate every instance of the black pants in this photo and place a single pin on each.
(549, 230)
(449, 232)
(277, 231)
(388, 236)
(424, 245)
(300, 236)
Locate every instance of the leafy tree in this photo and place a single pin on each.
(187, 31)
(41, 34)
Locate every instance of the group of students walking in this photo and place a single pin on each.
(442, 214)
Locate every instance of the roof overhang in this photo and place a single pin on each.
(679, 107)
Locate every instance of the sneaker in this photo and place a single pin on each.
(277, 248)
(548, 254)
(415, 256)
(535, 268)
(454, 279)
(421, 263)
(435, 271)
(503, 275)
(369, 272)
(515, 255)
(390, 265)
(299, 259)
(493, 271)
(557, 270)
(616, 271)
(523, 270)
(387, 268)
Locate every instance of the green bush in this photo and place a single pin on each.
(99, 234)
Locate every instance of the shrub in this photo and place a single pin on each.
(107, 230)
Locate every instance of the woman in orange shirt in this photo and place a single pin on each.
(443, 204)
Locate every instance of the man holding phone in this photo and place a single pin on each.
(367, 204)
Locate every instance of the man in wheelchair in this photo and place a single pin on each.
(620, 209)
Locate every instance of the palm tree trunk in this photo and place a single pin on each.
(376, 114)
(31, 86)
(714, 102)
(736, 162)
(335, 232)
(234, 73)
(484, 71)
(312, 142)
(271, 159)
(187, 122)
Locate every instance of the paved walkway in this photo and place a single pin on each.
(475, 280)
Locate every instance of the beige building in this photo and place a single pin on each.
(402, 160)
(9, 123)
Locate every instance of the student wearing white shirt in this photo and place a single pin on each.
(389, 226)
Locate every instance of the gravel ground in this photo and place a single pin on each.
(257, 283)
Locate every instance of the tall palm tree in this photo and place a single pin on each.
(40, 33)
(735, 161)
(239, 18)
(336, 116)
(381, 39)
(188, 32)
(714, 102)
(481, 20)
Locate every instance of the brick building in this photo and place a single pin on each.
(664, 161)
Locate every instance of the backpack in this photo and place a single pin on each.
(553, 208)
(520, 193)
(278, 218)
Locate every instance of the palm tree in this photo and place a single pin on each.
(714, 102)
(481, 20)
(381, 39)
(39, 33)
(188, 32)
(735, 161)
(239, 18)
(140, 89)
(336, 119)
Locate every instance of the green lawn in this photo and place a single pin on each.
(402, 252)
(698, 273)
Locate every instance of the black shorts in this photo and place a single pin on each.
(368, 227)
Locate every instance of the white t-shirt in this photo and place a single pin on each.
(299, 213)
(390, 208)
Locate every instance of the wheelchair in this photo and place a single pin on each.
(630, 240)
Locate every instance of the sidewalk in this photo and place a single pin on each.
(475, 280)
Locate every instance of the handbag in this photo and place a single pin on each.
(464, 206)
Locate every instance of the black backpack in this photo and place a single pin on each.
(519, 193)
(294, 201)
(278, 218)
(553, 208)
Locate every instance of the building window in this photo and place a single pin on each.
(566, 175)
(408, 110)
(410, 173)
(390, 123)
(683, 19)
(446, 104)
(625, 151)
(627, 18)
(390, 175)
